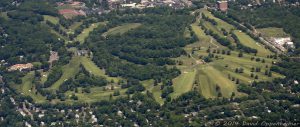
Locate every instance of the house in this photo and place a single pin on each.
(222, 5)
(21, 67)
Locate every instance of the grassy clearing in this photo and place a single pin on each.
(73, 27)
(121, 29)
(250, 42)
(28, 89)
(221, 23)
(95, 70)
(272, 32)
(217, 72)
(69, 71)
(215, 77)
(3, 15)
(85, 33)
(183, 83)
(96, 94)
(52, 19)
(205, 41)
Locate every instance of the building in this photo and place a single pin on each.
(222, 5)
(283, 43)
(21, 67)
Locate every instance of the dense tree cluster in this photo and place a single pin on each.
(142, 52)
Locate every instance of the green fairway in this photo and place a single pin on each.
(205, 41)
(250, 42)
(73, 27)
(183, 83)
(69, 71)
(222, 70)
(272, 32)
(52, 19)
(96, 94)
(3, 15)
(28, 89)
(95, 70)
(121, 29)
(85, 33)
(220, 23)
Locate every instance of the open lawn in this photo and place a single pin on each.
(250, 42)
(121, 29)
(220, 23)
(69, 71)
(95, 70)
(210, 77)
(52, 19)
(96, 94)
(4, 15)
(73, 27)
(221, 70)
(272, 32)
(204, 40)
(85, 33)
(28, 89)
(183, 83)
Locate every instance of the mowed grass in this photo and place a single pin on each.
(204, 40)
(210, 77)
(121, 29)
(250, 42)
(90, 66)
(183, 83)
(272, 32)
(220, 23)
(52, 19)
(85, 33)
(28, 89)
(3, 15)
(69, 71)
(218, 71)
(96, 94)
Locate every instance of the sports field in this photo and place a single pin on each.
(121, 29)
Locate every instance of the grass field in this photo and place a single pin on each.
(73, 27)
(250, 42)
(218, 71)
(52, 19)
(183, 83)
(28, 89)
(95, 70)
(96, 94)
(69, 71)
(4, 15)
(204, 38)
(85, 33)
(220, 23)
(121, 29)
(272, 32)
